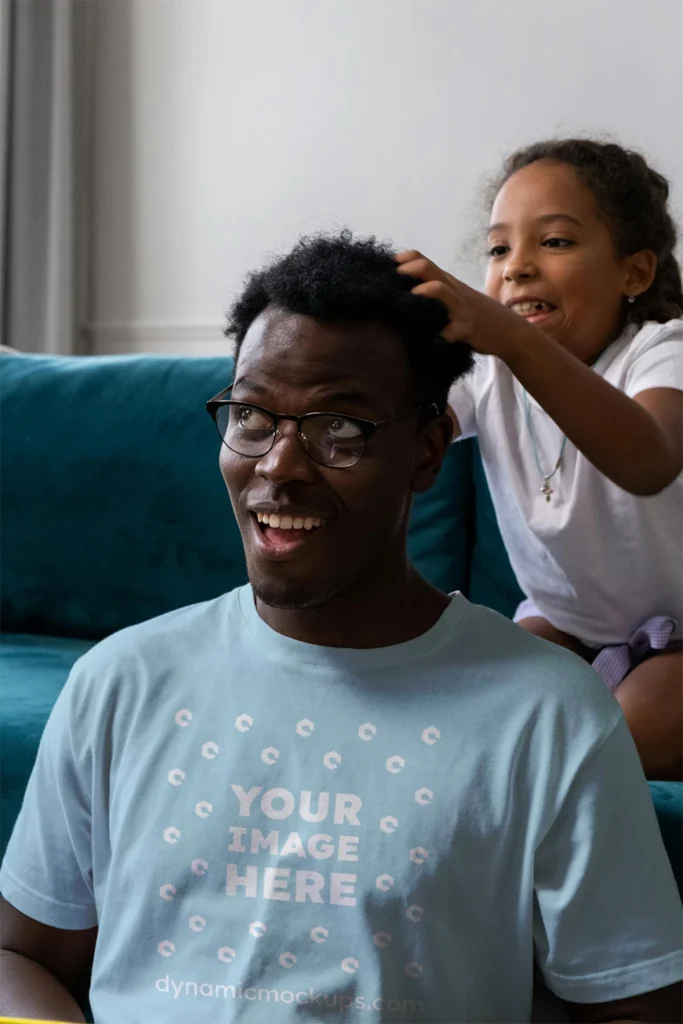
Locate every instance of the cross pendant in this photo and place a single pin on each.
(547, 490)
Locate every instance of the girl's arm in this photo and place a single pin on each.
(636, 442)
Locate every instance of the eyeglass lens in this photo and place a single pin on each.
(329, 440)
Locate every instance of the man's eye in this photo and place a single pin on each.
(343, 430)
(253, 419)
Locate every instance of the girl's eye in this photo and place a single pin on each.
(558, 243)
(497, 250)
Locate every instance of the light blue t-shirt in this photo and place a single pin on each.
(270, 831)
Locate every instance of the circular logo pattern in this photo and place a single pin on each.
(384, 882)
(332, 760)
(287, 960)
(367, 731)
(243, 723)
(199, 866)
(270, 755)
(388, 824)
(382, 939)
(257, 929)
(172, 835)
(197, 923)
(415, 913)
(424, 796)
(430, 735)
(413, 969)
(419, 855)
(319, 934)
(349, 965)
(166, 948)
(167, 892)
(227, 954)
(176, 776)
(203, 809)
(305, 727)
(395, 763)
(209, 750)
(183, 717)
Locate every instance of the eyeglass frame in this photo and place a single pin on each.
(367, 427)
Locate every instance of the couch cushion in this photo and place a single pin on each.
(491, 581)
(113, 506)
(668, 801)
(33, 670)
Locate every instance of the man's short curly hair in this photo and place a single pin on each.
(336, 277)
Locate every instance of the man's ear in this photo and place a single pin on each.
(433, 442)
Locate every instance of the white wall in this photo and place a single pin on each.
(225, 129)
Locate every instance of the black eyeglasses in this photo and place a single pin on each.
(330, 439)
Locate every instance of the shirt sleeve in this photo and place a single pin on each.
(463, 399)
(47, 871)
(660, 363)
(607, 915)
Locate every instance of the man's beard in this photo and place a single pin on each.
(292, 595)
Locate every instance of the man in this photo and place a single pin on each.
(336, 794)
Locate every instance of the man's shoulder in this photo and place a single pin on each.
(533, 670)
(171, 639)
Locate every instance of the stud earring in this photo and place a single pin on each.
(630, 299)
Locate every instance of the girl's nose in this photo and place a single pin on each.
(519, 267)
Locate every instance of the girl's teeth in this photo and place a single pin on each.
(286, 523)
(274, 521)
(298, 523)
(528, 308)
(309, 524)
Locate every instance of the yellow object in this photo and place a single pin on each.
(28, 1020)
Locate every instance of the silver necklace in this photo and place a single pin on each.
(547, 490)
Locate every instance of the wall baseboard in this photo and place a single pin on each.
(103, 339)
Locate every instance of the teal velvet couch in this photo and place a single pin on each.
(113, 511)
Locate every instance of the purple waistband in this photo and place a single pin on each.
(615, 662)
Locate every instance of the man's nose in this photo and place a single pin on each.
(520, 265)
(287, 460)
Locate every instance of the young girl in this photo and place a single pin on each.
(576, 399)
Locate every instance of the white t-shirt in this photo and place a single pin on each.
(596, 560)
(269, 831)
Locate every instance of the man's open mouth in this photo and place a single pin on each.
(280, 536)
(285, 522)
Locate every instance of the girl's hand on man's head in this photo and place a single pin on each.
(485, 324)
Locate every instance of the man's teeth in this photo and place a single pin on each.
(528, 308)
(288, 522)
